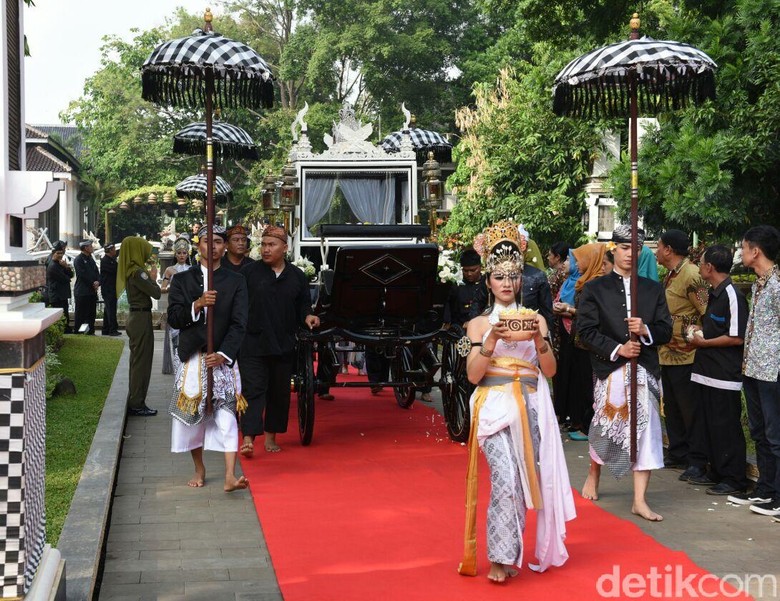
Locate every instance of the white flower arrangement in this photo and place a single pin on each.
(449, 269)
(306, 266)
(256, 239)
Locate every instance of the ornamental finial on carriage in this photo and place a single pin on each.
(208, 18)
(501, 246)
(407, 115)
(299, 121)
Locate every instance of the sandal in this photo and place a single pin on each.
(247, 449)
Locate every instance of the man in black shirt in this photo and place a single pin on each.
(108, 269)
(85, 290)
(459, 302)
(716, 429)
(58, 276)
(235, 258)
(279, 304)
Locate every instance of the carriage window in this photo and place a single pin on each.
(374, 197)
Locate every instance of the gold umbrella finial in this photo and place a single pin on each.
(207, 18)
(635, 23)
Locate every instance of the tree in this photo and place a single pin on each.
(516, 159)
(715, 169)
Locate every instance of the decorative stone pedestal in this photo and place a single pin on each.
(23, 434)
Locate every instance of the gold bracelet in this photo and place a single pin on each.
(486, 352)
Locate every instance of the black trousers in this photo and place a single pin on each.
(679, 408)
(110, 324)
(265, 382)
(377, 366)
(86, 312)
(716, 434)
(63, 304)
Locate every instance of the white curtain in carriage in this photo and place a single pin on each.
(371, 200)
(319, 196)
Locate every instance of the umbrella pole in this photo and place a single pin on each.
(634, 251)
(209, 226)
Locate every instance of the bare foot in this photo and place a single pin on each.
(272, 447)
(511, 571)
(590, 490)
(497, 573)
(232, 483)
(643, 511)
(247, 448)
(198, 480)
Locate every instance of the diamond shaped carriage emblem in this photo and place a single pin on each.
(385, 269)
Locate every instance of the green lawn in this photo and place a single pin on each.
(90, 361)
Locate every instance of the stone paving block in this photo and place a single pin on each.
(165, 518)
(202, 553)
(220, 588)
(264, 575)
(113, 553)
(184, 575)
(145, 545)
(225, 563)
(253, 551)
(121, 578)
(143, 565)
(270, 596)
(156, 590)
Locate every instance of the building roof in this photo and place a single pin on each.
(40, 159)
(68, 135)
(46, 150)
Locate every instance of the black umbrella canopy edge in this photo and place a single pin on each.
(606, 96)
(184, 85)
(229, 150)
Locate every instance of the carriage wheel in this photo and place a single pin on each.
(455, 389)
(305, 392)
(402, 363)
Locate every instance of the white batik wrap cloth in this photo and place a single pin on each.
(188, 404)
(610, 430)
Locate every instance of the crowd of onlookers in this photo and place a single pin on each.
(720, 346)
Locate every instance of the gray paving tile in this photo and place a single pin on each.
(169, 541)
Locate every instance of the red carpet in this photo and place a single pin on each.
(373, 510)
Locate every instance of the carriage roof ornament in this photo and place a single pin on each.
(301, 148)
(350, 136)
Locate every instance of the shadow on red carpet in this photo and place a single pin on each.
(374, 510)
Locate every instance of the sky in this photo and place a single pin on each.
(65, 37)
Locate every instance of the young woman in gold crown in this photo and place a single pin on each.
(513, 420)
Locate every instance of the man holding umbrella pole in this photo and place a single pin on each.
(615, 336)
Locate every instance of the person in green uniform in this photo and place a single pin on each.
(141, 286)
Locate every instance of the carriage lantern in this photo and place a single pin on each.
(269, 189)
(289, 196)
(432, 176)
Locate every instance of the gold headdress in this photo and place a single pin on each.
(501, 246)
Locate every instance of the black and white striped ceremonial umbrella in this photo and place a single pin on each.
(668, 75)
(230, 141)
(195, 186)
(176, 73)
(423, 141)
(620, 80)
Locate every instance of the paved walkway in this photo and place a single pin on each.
(167, 541)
